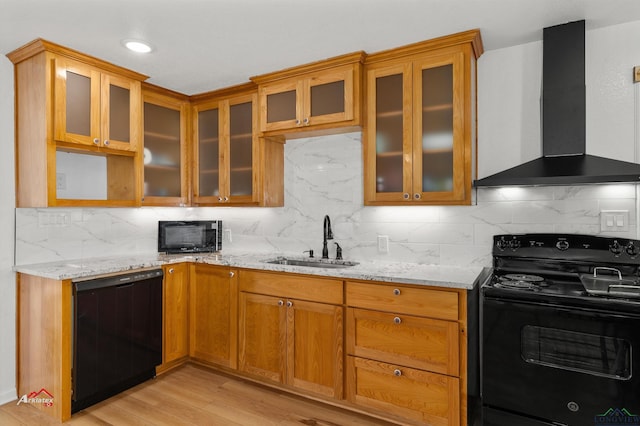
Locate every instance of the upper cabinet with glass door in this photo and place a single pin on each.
(96, 108)
(314, 97)
(420, 137)
(232, 165)
(165, 154)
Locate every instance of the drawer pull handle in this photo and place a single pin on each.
(397, 373)
(396, 291)
(397, 320)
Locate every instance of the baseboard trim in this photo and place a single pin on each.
(8, 396)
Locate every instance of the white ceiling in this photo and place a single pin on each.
(202, 45)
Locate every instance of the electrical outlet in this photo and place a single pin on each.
(383, 244)
(61, 181)
(227, 235)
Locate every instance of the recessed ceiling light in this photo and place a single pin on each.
(137, 46)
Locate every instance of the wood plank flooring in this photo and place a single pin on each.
(191, 395)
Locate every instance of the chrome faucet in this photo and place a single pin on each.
(327, 235)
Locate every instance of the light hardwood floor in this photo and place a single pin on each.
(191, 395)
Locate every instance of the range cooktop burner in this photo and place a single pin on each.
(520, 282)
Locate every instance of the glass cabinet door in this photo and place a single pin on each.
(282, 106)
(77, 103)
(329, 97)
(118, 105)
(389, 139)
(241, 132)
(208, 154)
(438, 159)
(162, 151)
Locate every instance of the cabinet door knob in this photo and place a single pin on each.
(220, 199)
(297, 122)
(397, 372)
(396, 291)
(96, 141)
(106, 142)
(171, 270)
(280, 303)
(417, 196)
(232, 274)
(306, 120)
(226, 199)
(406, 196)
(397, 320)
(289, 303)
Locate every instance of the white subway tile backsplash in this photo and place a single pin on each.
(323, 175)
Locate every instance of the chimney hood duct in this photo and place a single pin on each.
(564, 160)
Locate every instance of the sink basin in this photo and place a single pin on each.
(313, 263)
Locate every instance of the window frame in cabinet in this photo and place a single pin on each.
(223, 104)
(100, 82)
(177, 102)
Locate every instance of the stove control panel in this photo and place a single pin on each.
(567, 247)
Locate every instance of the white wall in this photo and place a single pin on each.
(7, 201)
(323, 176)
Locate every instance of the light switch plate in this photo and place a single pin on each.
(614, 220)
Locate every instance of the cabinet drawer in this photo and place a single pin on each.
(292, 285)
(418, 395)
(408, 300)
(407, 340)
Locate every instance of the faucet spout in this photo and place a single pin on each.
(327, 235)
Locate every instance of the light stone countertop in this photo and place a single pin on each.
(396, 272)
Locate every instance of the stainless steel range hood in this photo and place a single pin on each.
(564, 160)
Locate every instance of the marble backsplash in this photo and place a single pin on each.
(323, 175)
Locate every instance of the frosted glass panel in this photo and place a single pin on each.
(80, 176)
(389, 133)
(437, 129)
(327, 98)
(78, 104)
(208, 151)
(281, 106)
(119, 116)
(161, 151)
(241, 149)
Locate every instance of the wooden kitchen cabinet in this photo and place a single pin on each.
(175, 315)
(232, 164)
(64, 101)
(420, 134)
(213, 315)
(290, 331)
(317, 96)
(406, 351)
(96, 108)
(166, 151)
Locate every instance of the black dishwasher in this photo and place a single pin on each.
(117, 338)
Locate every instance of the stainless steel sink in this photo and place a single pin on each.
(313, 263)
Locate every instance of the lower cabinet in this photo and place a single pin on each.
(213, 312)
(291, 331)
(175, 345)
(405, 349)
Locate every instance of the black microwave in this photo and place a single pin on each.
(196, 236)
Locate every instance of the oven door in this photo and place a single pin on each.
(559, 364)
